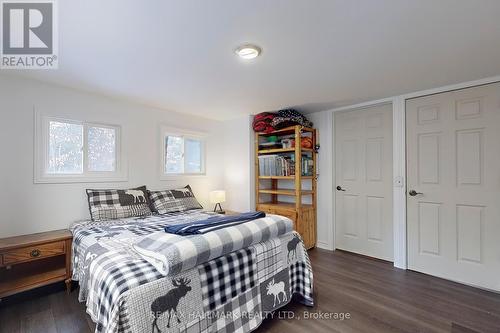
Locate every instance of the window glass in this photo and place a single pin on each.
(101, 149)
(174, 160)
(65, 148)
(193, 156)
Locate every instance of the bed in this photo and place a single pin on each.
(229, 291)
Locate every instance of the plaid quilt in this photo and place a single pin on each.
(217, 291)
(231, 293)
(171, 253)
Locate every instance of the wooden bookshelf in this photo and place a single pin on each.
(269, 195)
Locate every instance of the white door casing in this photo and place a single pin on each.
(363, 158)
(453, 159)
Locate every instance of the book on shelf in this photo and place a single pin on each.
(307, 166)
(277, 165)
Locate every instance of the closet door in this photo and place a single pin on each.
(453, 171)
(363, 164)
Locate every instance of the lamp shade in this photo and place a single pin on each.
(217, 196)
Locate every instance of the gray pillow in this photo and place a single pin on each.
(117, 204)
(176, 200)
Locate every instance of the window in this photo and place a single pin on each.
(182, 154)
(70, 150)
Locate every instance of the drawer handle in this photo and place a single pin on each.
(35, 253)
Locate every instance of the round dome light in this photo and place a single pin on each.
(248, 51)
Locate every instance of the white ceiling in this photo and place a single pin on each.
(178, 55)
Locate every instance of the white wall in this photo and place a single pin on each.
(26, 207)
(239, 164)
(323, 122)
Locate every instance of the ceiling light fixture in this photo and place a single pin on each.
(248, 51)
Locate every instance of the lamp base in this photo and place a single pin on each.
(220, 211)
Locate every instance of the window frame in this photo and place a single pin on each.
(42, 141)
(184, 134)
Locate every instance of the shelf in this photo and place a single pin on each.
(286, 130)
(284, 177)
(283, 205)
(283, 150)
(285, 192)
(276, 150)
(31, 275)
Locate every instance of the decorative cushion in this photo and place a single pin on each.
(117, 204)
(177, 200)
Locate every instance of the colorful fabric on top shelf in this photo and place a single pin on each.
(262, 122)
(267, 122)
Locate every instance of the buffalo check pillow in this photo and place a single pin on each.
(177, 200)
(117, 204)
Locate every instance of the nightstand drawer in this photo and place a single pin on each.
(31, 253)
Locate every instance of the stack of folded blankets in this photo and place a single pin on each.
(267, 122)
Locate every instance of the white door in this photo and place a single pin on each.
(363, 164)
(453, 162)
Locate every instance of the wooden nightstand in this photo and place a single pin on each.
(31, 261)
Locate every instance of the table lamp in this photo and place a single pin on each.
(216, 197)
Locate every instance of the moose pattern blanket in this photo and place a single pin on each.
(125, 293)
(171, 253)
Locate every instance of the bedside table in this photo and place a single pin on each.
(36, 260)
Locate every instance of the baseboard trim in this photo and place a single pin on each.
(324, 246)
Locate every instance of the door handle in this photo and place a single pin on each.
(339, 188)
(414, 193)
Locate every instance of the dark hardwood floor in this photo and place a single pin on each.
(375, 296)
